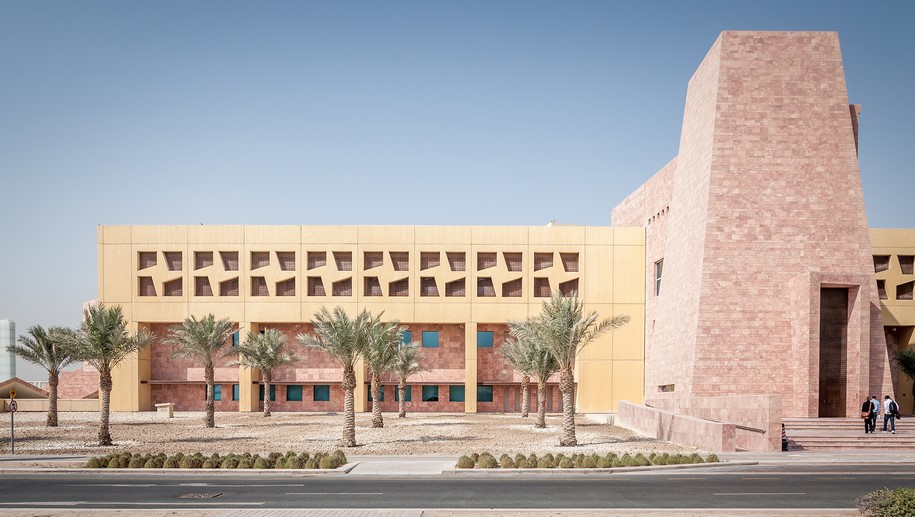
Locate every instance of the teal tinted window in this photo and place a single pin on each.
(430, 393)
(381, 398)
(406, 394)
(235, 338)
(217, 391)
(430, 339)
(484, 393)
(294, 393)
(455, 394)
(272, 392)
(322, 392)
(484, 339)
(406, 337)
(235, 392)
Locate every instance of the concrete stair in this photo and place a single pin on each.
(846, 434)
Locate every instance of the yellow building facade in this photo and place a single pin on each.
(464, 282)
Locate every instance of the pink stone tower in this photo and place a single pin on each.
(767, 283)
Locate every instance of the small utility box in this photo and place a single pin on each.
(165, 410)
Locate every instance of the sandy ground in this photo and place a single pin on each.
(418, 434)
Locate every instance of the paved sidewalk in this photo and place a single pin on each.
(401, 465)
(823, 457)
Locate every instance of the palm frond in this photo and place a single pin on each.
(266, 351)
(102, 339)
(200, 339)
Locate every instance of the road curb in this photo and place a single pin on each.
(592, 472)
(339, 471)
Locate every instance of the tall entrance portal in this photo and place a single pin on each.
(833, 351)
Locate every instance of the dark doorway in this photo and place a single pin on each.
(833, 351)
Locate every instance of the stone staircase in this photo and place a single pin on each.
(819, 434)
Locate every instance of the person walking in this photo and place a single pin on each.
(890, 410)
(866, 414)
(875, 410)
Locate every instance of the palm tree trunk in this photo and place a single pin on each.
(53, 379)
(541, 403)
(401, 393)
(377, 419)
(525, 396)
(349, 411)
(104, 384)
(210, 406)
(267, 382)
(567, 387)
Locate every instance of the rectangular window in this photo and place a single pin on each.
(259, 286)
(430, 339)
(317, 259)
(456, 260)
(286, 260)
(485, 260)
(286, 287)
(203, 259)
(907, 264)
(543, 261)
(658, 269)
(380, 398)
(485, 287)
(400, 260)
(372, 286)
(406, 394)
(427, 286)
(881, 263)
(542, 288)
(229, 260)
(235, 392)
(172, 260)
(455, 288)
(229, 287)
(272, 392)
(484, 393)
(344, 260)
(147, 286)
(429, 259)
(406, 337)
(146, 259)
(430, 393)
(484, 339)
(202, 286)
(260, 259)
(322, 393)
(236, 337)
(315, 286)
(342, 287)
(881, 289)
(294, 393)
(372, 259)
(399, 288)
(455, 394)
(217, 391)
(569, 262)
(172, 287)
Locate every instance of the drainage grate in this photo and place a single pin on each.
(201, 495)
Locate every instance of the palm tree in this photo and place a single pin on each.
(103, 341)
(380, 353)
(564, 329)
(202, 340)
(265, 351)
(906, 361)
(344, 339)
(533, 360)
(407, 362)
(46, 348)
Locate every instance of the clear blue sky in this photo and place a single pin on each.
(471, 112)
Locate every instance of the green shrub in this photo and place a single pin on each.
(695, 458)
(272, 457)
(151, 464)
(588, 463)
(328, 462)
(136, 462)
(170, 463)
(475, 456)
(533, 459)
(245, 463)
(566, 463)
(640, 460)
(652, 456)
(524, 464)
(558, 458)
(229, 462)
(898, 502)
(341, 457)
(711, 458)
(261, 463)
(487, 461)
(659, 460)
(311, 464)
(93, 463)
(506, 462)
(296, 463)
(280, 463)
(549, 457)
(209, 464)
(503, 456)
(465, 462)
(603, 463)
(545, 463)
(519, 458)
(115, 463)
(179, 457)
(305, 456)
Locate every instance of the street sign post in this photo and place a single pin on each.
(14, 406)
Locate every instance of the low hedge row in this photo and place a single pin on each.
(274, 460)
(578, 461)
(897, 502)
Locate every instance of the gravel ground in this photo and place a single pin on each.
(418, 434)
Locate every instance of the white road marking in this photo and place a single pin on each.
(115, 485)
(48, 503)
(759, 493)
(182, 503)
(334, 493)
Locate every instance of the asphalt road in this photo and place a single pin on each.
(800, 486)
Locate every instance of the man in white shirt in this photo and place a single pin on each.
(875, 410)
(890, 409)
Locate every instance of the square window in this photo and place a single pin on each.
(406, 337)
(430, 339)
(381, 398)
(430, 393)
(294, 392)
(455, 394)
(484, 393)
(235, 392)
(406, 394)
(272, 392)
(322, 393)
(217, 392)
(484, 339)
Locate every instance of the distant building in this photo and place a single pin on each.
(7, 359)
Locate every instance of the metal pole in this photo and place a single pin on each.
(12, 430)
